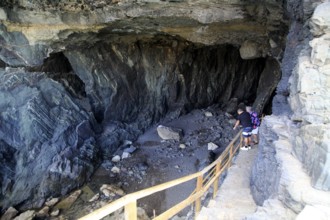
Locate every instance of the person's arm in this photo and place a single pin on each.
(236, 124)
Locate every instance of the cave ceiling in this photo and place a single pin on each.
(44, 27)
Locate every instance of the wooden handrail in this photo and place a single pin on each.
(129, 201)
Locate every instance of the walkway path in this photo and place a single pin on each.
(234, 200)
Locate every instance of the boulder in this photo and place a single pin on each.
(320, 21)
(167, 133)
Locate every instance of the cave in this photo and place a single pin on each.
(91, 80)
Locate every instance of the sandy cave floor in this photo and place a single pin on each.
(157, 161)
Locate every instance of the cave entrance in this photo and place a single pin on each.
(58, 67)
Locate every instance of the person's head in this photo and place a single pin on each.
(240, 111)
(249, 109)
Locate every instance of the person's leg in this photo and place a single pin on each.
(255, 135)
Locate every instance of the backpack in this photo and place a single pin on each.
(255, 120)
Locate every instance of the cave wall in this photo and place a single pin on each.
(81, 78)
(292, 167)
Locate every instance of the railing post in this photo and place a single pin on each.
(198, 203)
(131, 211)
(216, 182)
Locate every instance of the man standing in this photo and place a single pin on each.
(255, 124)
(244, 119)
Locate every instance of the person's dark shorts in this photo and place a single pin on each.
(247, 132)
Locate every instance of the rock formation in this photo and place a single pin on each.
(83, 76)
(292, 168)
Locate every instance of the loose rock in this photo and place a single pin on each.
(28, 215)
(208, 114)
(52, 202)
(43, 212)
(167, 133)
(125, 155)
(182, 146)
(212, 146)
(95, 197)
(9, 214)
(116, 159)
(115, 170)
(113, 189)
(67, 202)
(55, 212)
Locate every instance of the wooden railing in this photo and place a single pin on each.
(205, 179)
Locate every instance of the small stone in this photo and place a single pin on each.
(212, 146)
(9, 214)
(115, 170)
(52, 202)
(130, 150)
(55, 212)
(28, 215)
(113, 189)
(177, 166)
(182, 146)
(95, 197)
(116, 159)
(125, 155)
(108, 193)
(272, 43)
(208, 114)
(127, 142)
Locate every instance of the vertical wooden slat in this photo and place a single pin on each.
(216, 182)
(199, 186)
(131, 211)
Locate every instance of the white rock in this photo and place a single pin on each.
(320, 21)
(182, 146)
(95, 197)
(176, 166)
(125, 155)
(249, 50)
(116, 159)
(208, 114)
(28, 215)
(115, 170)
(55, 213)
(51, 202)
(9, 214)
(167, 133)
(212, 146)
